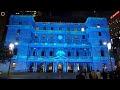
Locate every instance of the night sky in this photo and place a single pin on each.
(72, 16)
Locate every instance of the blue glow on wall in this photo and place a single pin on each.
(51, 43)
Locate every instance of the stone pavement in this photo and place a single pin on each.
(40, 76)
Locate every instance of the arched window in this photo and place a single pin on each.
(15, 51)
(33, 53)
(42, 53)
(51, 53)
(69, 54)
(77, 53)
(101, 42)
(51, 28)
(102, 53)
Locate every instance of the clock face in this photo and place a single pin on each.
(60, 37)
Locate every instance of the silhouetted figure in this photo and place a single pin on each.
(90, 75)
(80, 76)
(98, 74)
(104, 75)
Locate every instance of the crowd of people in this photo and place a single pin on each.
(82, 74)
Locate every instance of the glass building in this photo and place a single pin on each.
(58, 46)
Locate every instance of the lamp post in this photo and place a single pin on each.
(11, 48)
(109, 50)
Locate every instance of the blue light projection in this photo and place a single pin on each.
(81, 46)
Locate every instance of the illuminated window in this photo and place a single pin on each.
(37, 28)
(75, 29)
(51, 28)
(68, 36)
(99, 33)
(98, 25)
(68, 28)
(51, 36)
(60, 28)
(76, 37)
(44, 36)
(82, 29)
(36, 36)
(13, 65)
(44, 28)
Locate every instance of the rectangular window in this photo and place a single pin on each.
(51, 28)
(51, 36)
(83, 36)
(60, 28)
(75, 29)
(44, 28)
(99, 33)
(68, 28)
(76, 37)
(102, 53)
(37, 28)
(43, 36)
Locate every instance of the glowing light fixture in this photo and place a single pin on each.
(16, 43)
(82, 29)
(11, 46)
(104, 43)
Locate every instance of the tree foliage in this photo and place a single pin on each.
(5, 53)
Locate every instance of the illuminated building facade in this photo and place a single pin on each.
(114, 25)
(53, 46)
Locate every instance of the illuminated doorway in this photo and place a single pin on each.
(70, 67)
(50, 67)
(60, 67)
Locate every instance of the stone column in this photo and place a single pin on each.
(53, 67)
(36, 67)
(45, 64)
(66, 66)
(75, 67)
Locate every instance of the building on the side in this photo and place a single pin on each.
(114, 25)
(58, 46)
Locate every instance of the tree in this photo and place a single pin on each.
(5, 55)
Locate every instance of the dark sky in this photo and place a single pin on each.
(74, 16)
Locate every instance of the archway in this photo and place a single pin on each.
(60, 67)
(50, 67)
(40, 67)
(70, 67)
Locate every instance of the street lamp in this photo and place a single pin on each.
(11, 48)
(109, 50)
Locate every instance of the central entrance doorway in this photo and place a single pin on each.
(60, 67)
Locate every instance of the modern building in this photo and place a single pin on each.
(114, 25)
(58, 46)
